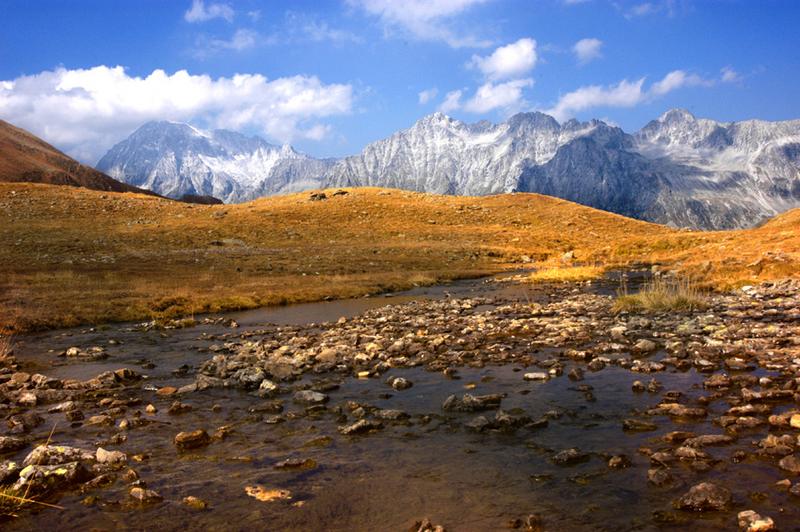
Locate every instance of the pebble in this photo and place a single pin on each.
(192, 439)
(195, 503)
(144, 496)
(310, 397)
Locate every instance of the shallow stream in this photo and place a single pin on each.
(430, 466)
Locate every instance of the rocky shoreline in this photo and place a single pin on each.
(744, 349)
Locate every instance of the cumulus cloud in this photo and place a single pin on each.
(623, 94)
(490, 96)
(452, 101)
(85, 111)
(425, 20)
(427, 95)
(200, 12)
(587, 50)
(510, 61)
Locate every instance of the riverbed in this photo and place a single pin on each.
(430, 462)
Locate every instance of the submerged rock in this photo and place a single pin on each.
(472, 403)
(192, 439)
(144, 496)
(705, 497)
(570, 457)
(310, 397)
(361, 426)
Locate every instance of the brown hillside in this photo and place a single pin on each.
(27, 158)
(71, 255)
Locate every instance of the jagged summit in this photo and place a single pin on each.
(676, 115)
(177, 159)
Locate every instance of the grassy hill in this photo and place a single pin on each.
(27, 158)
(71, 255)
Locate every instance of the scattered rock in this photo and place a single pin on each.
(750, 521)
(192, 439)
(705, 497)
(361, 426)
(310, 397)
(195, 503)
(570, 457)
(472, 403)
(144, 496)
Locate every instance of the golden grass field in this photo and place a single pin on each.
(71, 256)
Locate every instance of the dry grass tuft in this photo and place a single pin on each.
(662, 294)
(6, 348)
(566, 274)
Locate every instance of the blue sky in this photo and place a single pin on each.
(330, 77)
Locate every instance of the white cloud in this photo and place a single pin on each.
(199, 12)
(424, 20)
(452, 101)
(587, 50)
(490, 96)
(254, 15)
(427, 95)
(623, 94)
(668, 7)
(242, 39)
(729, 75)
(510, 61)
(641, 10)
(320, 31)
(85, 111)
(676, 80)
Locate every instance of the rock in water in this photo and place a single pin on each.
(705, 497)
(472, 403)
(192, 440)
(145, 496)
(570, 456)
(750, 521)
(310, 397)
(360, 427)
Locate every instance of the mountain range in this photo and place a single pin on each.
(677, 170)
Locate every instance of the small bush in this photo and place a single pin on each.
(662, 294)
(568, 274)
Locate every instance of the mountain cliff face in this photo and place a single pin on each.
(677, 170)
(177, 159)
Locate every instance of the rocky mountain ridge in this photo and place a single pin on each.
(677, 170)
